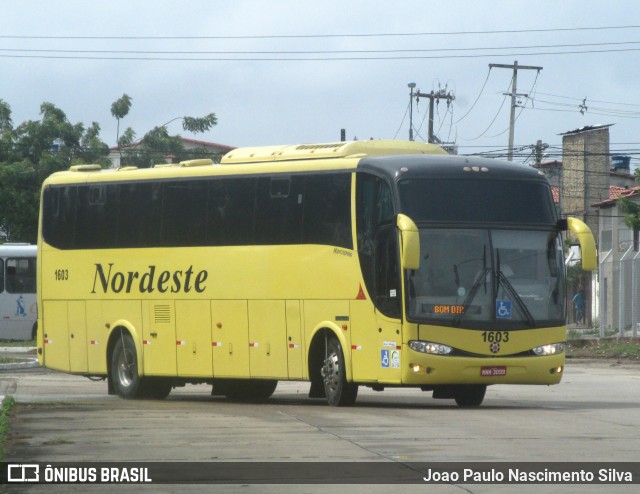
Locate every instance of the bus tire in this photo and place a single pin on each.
(470, 395)
(157, 389)
(338, 391)
(124, 368)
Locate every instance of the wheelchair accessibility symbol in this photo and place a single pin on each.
(503, 309)
(384, 358)
(390, 359)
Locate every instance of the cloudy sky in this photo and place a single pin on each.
(293, 71)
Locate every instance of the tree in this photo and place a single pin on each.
(120, 109)
(30, 153)
(157, 145)
(632, 218)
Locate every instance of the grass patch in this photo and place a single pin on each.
(5, 412)
(13, 360)
(604, 348)
(17, 343)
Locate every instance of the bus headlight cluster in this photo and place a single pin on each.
(551, 349)
(429, 347)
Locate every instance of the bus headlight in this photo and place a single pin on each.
(551, 349)
(430, 347)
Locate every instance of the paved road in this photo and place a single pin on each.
(594, 415)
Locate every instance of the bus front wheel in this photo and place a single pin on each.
(470, 395)
(338, 391)
(124, 368)
(124, 373)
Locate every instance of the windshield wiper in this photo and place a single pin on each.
(480, 279)
(511, 291)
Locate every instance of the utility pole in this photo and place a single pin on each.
(411, 86)
(441, 94)
(514, 94)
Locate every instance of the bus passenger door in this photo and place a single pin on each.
(193, 338)
(268, 339)
(388, 301)
(230, 338)
(159, 338)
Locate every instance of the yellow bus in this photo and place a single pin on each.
(366, 263)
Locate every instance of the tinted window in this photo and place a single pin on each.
(376, 248)
(21, 275)
(491, 201)
(184, 217)
(268, 210)
(327, 210)
(138, 210)
(230, 208)
(278, 211)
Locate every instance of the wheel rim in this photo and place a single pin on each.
(331, 373)
(125, 368)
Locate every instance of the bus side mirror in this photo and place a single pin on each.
(587, 243)
(410, 238)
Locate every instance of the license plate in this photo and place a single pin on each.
(493, 371)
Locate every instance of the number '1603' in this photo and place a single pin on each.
(495, 336)
(62, 274)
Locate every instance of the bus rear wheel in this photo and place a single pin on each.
(470, 395)
(338, 391)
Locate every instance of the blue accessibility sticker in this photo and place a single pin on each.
(503, 309)
(384, 358)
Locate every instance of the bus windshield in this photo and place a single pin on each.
(480, 277)
(516, 202)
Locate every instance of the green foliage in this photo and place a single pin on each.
(158, 146)
(7, 405)
(35, 149)
(632, 217)
(154, 148)
(30, 153)
(197, 125)
(120, 107)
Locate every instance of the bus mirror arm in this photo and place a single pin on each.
(562, 225)
(410, 242)
(587, 243)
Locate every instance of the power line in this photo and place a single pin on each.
(306, 52)
(79, 56)
(338, 35)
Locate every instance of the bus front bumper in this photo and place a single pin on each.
(426, 370)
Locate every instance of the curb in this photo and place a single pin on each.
(29, 362)
(17, 349)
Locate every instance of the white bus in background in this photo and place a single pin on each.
(18, 308)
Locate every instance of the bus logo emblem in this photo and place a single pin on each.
(494, 347)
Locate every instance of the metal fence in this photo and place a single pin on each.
(619, 290)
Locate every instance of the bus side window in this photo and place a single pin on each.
(21, 276)
(1, 275)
